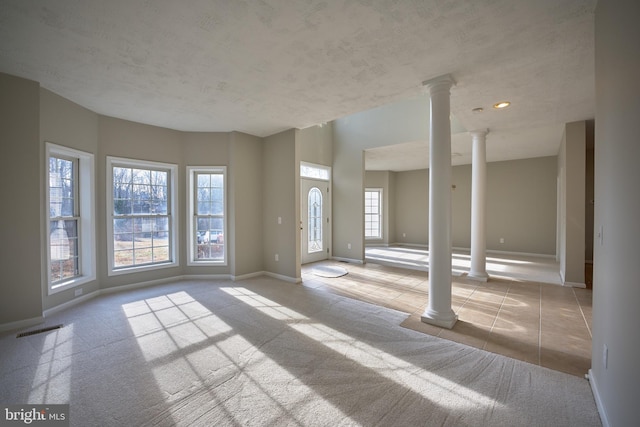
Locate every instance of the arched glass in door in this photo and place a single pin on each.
(315, 220)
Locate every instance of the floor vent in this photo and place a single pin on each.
(39, 331)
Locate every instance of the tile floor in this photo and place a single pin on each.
(521, 312)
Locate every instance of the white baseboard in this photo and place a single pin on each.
(140, 285)
(411, 245)
(206, 277)
(574, 285)
(282, 277)
(51, 311)
(25, 323)
(377, 244)
(512, 253)
(349, 260)
(248, 276)
(598, 399)
(461, 249)
(21, 324)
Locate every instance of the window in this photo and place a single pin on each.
(314, 216)
(373, 213)
(310, 170)
(142, 217)
(71, 217)
(207, 207)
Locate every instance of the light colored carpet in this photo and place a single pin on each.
(330, 271)
(267, 353)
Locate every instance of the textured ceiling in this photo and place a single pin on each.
(261, 67)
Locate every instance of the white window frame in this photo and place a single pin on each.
(85, 193)
(380, 207)
(191, 214)
(172, 208)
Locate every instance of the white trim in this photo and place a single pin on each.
(87, 217)
(411, 245)
(574, 285)
(206, 277)
(378, 190)
(282, 277)
(173, 214)
(248, 276)
(371, 244)
(493, 251)
(349, 260)
(86, 297)
(21, 324)
(599, 405)
(191, 171)
(138, 285)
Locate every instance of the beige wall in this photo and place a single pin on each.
(316, 144)
(202, 149)
(351, 136)
(386, 181)
(67, 124)
(616, 288)
(245, 205)
(572, 200)
(32, 116)
(281, 198)
(412, 207)
(521, 206)
(20, 220)
(122, 138)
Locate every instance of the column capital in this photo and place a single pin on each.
(441, 82)
(479, 132)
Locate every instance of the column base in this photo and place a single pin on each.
(480, 277)
(446, 322)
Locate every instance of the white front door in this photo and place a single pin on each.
(315, 211)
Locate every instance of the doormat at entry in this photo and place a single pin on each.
(329, 271)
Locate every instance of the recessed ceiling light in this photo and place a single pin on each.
(501, 104)
(478, 110)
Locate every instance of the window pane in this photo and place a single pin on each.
(315, 243)
(141, 176)
(316, 172)
(372, 221)
(141, 234)
(207, 208)
(61, 187)
(210, 238)
(63, 247)
(122, 258)
(161, 253)
(204, 180)
(217, 208)
(159, 178)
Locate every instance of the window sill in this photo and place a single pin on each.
(134, 269)
(207, 263)
(69, 284)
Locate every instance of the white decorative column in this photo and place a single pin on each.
(438, 311)
(478, 269)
